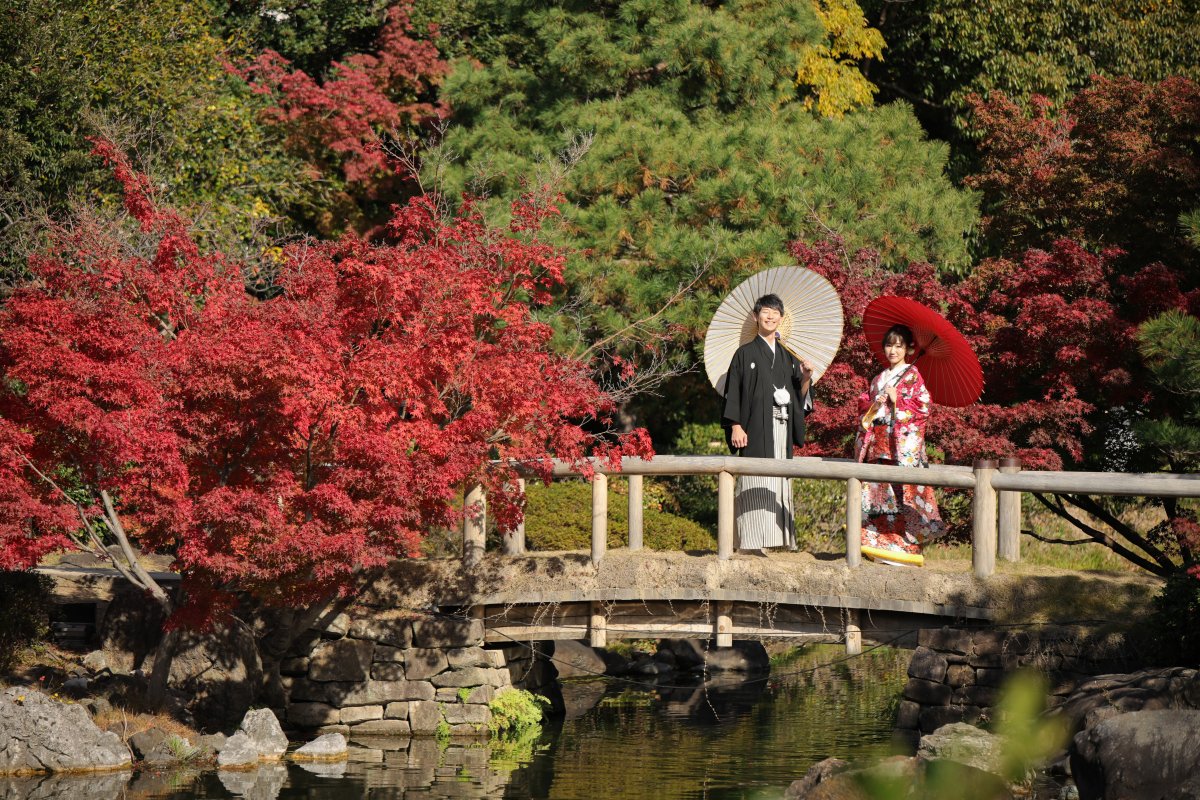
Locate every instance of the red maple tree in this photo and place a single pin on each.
(337, 124)
(1058, 354)
(278, 447)
(1115, 166)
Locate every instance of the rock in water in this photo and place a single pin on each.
(1144, 754)
(261, 725)
(239, 752)
(330, 747)
(962, 744)
(38, 734)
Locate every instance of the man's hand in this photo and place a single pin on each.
(806, 373)
(739, 439)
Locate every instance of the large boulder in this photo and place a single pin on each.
(260, 738)
(1143, 754)
(130, 631)
(578, 660)
(962, 744)
(143, 742)
(38, 734)
(262, 726)
(238, 752)
(1107, 696)
(219, 673)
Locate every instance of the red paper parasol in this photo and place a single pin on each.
(945, 359)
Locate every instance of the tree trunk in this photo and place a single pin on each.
(160, 672)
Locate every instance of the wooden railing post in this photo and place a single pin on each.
(635, 512)
(725, 520)
(853, 633)
(599, 516)
(983, 522)
(1010, 515)
(597, 624)
(474, 523)
(514, 540)
(853, 522)
(724, 627)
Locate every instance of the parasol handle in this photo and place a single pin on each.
(868, 419)
(795, 355)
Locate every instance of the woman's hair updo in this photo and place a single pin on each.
(901, 332)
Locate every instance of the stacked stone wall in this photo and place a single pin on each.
(955, 674)
(399, 674)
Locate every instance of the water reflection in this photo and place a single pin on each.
(727, 738)
(105, 786)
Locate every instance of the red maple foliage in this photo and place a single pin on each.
(1115, 166)
(1060, 365)
(337, 123)
(281, 446)
(1053, 348)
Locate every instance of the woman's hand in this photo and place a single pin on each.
(739, 439)
(891, 394)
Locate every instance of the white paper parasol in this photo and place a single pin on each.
(811, 327)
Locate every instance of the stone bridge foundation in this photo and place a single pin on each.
(405, 674)
(956, 675)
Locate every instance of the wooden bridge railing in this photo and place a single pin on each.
(995, 505)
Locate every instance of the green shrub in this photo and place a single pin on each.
(695, 496)
(559, 517)
(516, 710)
(24, 603)
(1175, 622)
(820, 509)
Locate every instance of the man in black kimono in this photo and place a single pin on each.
(766, 398)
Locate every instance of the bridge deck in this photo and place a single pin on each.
(647, 594)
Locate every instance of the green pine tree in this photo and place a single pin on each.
(1170, 347)
(703, 155)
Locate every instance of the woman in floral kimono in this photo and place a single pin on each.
(897, 519)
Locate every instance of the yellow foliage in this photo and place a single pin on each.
(830, 69)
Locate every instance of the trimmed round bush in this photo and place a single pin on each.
(559, 517)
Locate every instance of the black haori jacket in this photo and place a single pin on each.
(749, 389)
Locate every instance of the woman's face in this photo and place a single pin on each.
(768, 321)
(895, 350)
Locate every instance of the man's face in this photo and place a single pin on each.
(768, 321)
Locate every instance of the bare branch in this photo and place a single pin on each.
(1103, 538)
(1090, 506)
(97, 547)
(646, 380)
(118, 530)
(1052, 540)
(698, 272)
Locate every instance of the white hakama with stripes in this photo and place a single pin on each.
(764, 505)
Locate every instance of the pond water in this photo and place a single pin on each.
(675, 739)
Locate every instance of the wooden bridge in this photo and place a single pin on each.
(634, 593)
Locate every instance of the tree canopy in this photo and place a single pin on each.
(281, 446)
(940, 52)
(152, 76)
(1118, 165)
